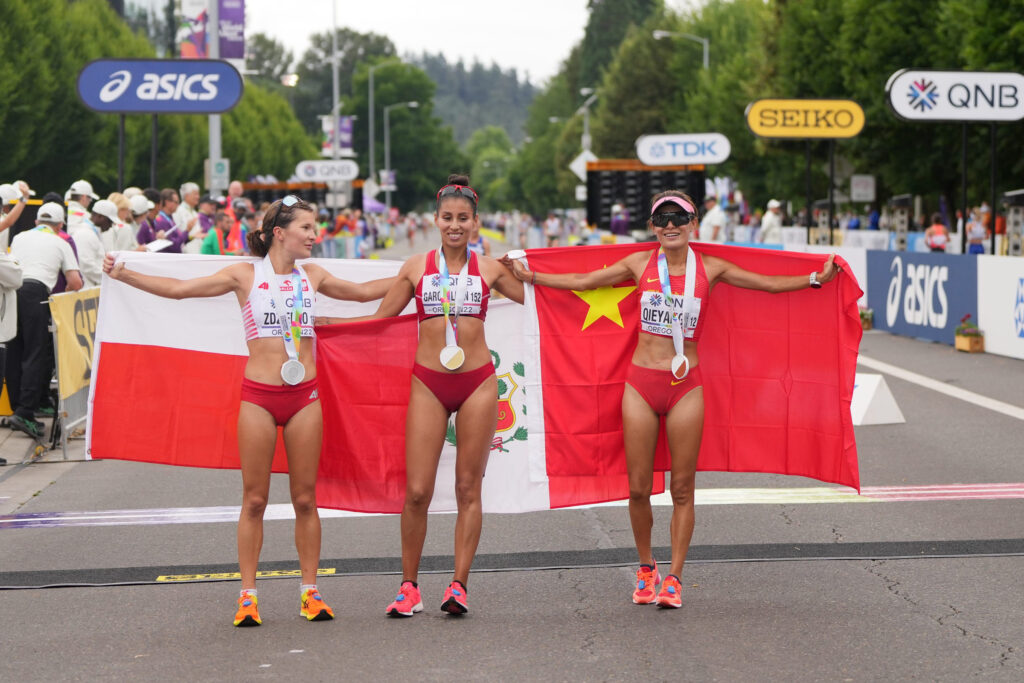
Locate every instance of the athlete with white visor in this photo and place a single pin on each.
(664, 379)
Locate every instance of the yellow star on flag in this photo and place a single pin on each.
(604, 303)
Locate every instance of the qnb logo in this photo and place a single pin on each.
(923, 95)
(115, 87)
(172, 86)
(924, 301)
(1018, 309)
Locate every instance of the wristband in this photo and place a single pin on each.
(814, 281)
(533, 279)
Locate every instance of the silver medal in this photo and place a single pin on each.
(292, 372)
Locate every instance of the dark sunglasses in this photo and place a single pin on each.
(677, 218)
(458, 191)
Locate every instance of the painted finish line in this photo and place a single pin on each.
(727, 496)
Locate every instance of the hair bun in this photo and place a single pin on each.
(458, 179)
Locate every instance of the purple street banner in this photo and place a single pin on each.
(192, 34)
(344, 135)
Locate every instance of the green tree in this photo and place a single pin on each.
(315, 87)
(423, 150)
(606, 27)
(271, 60)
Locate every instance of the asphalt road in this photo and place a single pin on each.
(919, 589)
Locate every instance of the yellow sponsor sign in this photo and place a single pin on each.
(181, 578)
(74, 315)
(805, 118)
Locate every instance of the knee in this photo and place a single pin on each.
(467, 491)
(682, 489)
(418, 498)
(304, 503)
(254, 504)
(640, 490)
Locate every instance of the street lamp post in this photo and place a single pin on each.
(659, 34)
(585, 110)
(373, 165)
(387, 146)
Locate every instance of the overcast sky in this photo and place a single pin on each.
(532, 36)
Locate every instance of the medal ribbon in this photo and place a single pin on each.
(291, 324)
(450, 336)
(678, 320)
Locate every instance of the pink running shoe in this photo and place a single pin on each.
(671, 594)
(647, 580)
(455, 599)
(407, 603)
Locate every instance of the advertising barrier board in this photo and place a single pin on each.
(1001, 304)
(922, 295)
(669, 150)
(980, 96)
(805, 118)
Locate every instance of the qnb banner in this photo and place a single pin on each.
(922, 95)
(927, 294)
(159, 86)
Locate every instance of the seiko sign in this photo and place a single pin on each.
(316, 170)
(921, 95)
(926, 295)
(159, 86)
(805, 118)
(670, 150)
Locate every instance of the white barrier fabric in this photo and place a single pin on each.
(1001, 304)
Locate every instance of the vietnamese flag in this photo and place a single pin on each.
(778, 374)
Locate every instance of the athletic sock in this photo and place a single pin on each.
(250, 591)
(305, 587)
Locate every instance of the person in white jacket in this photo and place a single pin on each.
(10, 281)
(771, 223)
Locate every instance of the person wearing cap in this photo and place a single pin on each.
(121, 237)
(43, 255)
(163, 227)
(13, 203)
(80, 195)
(87, 238)
(712, 226)
(10, 281)
(140, 208)
(207, 213)
(664, 381)
(771, 223)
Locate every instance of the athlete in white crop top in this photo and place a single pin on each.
(279, 387)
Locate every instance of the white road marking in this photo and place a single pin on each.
(943, 388)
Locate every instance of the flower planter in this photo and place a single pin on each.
(971, 343)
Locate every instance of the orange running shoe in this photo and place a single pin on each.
(247, 614)
(455, 599)
(407, 603)
(314, 608)
(671, 593)
(647, 580)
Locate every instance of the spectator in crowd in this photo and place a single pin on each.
(121, 236)
(10, 281)
(712, 226)
(552, 229)
(132, 191)
(207, 211)
(86, 234)
(976, 233)
(42, 255)
(936, 236)
(771, 223)
(186, 217)
(163, 227)
(239, 229)
(873, 217)
(80, 195)
(13, 203)
(140, 208)
(216, 242)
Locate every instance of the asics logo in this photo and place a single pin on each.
(115, 87)
(173, 86)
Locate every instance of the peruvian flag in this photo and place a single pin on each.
(778, 372)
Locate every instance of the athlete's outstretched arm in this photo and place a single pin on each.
(624, 269)
(729, 273)
(223, 281)
(403, 289)
(336, 288)
(506, 282)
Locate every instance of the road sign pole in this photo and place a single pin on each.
(213, 42)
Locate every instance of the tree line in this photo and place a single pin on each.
(777, 49)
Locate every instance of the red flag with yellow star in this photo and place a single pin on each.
(778, 372)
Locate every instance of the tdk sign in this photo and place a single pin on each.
(922, 95)
(159, 86)
(670, 150)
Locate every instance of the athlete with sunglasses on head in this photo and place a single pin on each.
(453, 374)
(279, 387)
(664, 378)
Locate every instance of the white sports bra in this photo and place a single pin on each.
(258, 313)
